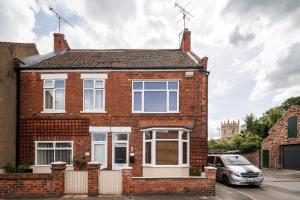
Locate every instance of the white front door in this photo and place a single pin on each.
(120, 151)
(99, 148)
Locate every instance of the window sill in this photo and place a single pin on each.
(92, 111)
(155, 112)
(166, 166)
(54, 111)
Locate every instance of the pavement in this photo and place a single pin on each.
(278, 185)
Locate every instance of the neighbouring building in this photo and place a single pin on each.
(139, 109)
(229, 130)
(8, 95)
(281, 149)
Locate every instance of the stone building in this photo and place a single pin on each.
(8, 91)
(229, 130)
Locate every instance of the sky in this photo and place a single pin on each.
(253, 46)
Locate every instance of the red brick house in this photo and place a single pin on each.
(281, 149)
(144, 109)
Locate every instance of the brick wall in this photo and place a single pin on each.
(53, 129)
(254, 158)
(278, 136)
(193, 108)
(34, 185)
(200, 185)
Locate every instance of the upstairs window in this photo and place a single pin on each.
(93, 95)
(54, 95)
(155, 96)
(292, 127)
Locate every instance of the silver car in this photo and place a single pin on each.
(235, 169)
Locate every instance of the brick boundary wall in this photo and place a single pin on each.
(253, 157)
(34, 185)
(204, 185)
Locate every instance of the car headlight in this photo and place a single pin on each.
(235, 173)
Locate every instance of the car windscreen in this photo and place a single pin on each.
(235, 160)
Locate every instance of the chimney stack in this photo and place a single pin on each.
(186, 41)
(60, 44)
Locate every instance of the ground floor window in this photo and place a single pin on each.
(50, 151)
(166, 147)
(99, 145)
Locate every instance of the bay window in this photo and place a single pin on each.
(54, 95)
(47, 152)
(164, 147)
(155, 96)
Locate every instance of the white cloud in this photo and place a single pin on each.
(247, 42)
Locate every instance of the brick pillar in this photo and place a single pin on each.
(58, 171)
(93, 168)
(126, 180)
(210, 172)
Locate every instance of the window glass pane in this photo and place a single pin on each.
(88, 83)
(137, 85)
(45, 157)
(167, 135)
(184, 152)
(49, 99)
(148, 152)
(48, 84)
(63, 145)
(137, 101)
(173, 85)
(45, 145)
(184, 136)
(120, 154)
(99, 84)
(166, 152)
(99, 153)
(88, 99)
(155, 101)
(148, 135)
(63, 156)
(99, 100)
(99, 137)
(59, 99)
(173, 101)
(155, 85)
(120, 137)
(59, 84)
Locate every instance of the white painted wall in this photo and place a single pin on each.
(46, 169)
(165, 171)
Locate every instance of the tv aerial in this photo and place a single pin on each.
(186, 15)
(60, 18)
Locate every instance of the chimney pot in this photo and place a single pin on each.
(60, 44)
(186, 41)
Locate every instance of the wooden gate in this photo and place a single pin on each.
(76, 182)
(110, 182)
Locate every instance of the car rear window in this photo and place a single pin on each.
(210, 159)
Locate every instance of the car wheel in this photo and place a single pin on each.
(225, 180)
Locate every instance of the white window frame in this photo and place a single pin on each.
(167, 90)
(116, 166)
(94, 91)
(153, 146)
(52, 88)
(99, 142)
(54, 148)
